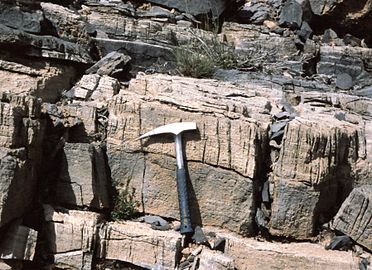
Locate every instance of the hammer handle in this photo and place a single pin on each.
(183, 202)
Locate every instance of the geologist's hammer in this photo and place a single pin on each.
(177, 129)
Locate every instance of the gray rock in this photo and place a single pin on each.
(305, 32)
(291, 15)
(253, 13)
(329, 36)
(351, 40)
(111, 64)
(44, 46)
(354, 217)
(14, 17)
(340, 59)
(342, 242)
(155, 12)
(196, 7)
(344, 81)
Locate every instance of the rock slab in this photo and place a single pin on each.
(355, 215)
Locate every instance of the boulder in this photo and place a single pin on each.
(291, 15)
(19, 243)
(70, 236)
(344, 81)
(215, 163)
(94, 87)
(82, 178)
(138, 244)
(111, 64)
(260, 47)
(354, 216)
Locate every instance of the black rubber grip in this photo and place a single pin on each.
(183, 202)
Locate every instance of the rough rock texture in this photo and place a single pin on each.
(20, 140)
(252, 254)
(196, 7)
(304, 184)
(354, 216)
(82, 179)
(215, 260)
(39, 78)
(152, 175)
(138, 244)
(19, 243)
(70, 236)
(282, 139)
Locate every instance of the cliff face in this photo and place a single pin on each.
(282, 153)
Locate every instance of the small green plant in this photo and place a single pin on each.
(125, 205)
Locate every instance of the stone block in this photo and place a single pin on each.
(138, 244)
(355, 215)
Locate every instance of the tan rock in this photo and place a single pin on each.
(215, 162)
(39, 78)
(140, 245)
(313, 163)
(70, 236)
(250, 254)
(210, 259)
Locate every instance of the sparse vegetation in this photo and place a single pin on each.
(125, 205)
(201, 57)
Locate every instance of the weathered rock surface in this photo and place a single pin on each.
(20, 139)
(43, 46)
(304, 184)
(196, 7)
(213, 164)
(38, 78)
(18, 244)
(351, 60)
(94, 87)
(354, 216)
(253, 254)
(70, 236)
(83, 180)
(138, 244)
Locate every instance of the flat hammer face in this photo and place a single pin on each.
(183, 201)
(175, 128)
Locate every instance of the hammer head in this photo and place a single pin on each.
(175, 128)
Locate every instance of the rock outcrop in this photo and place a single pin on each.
(283, 149)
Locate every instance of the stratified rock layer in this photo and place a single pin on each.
(138, 244)
(214, 161)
